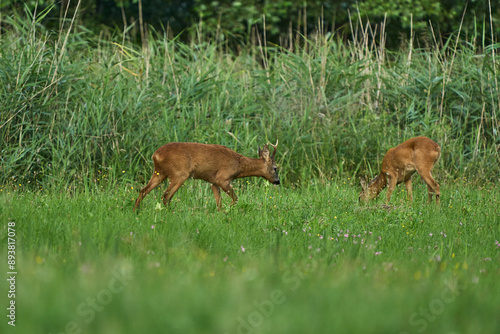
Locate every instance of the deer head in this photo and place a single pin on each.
(369, 191)
(271, 170)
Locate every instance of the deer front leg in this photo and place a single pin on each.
(218, 199)
(391, 184)
(228, 189)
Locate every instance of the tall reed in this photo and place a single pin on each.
(81, 111)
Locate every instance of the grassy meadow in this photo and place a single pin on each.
(284, 259)
(82, 114)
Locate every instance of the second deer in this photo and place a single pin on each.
(419, 155)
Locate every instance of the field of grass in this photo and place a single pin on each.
(302, 258)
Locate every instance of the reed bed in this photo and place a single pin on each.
(78, 108)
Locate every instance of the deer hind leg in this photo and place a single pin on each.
(426, 164)
(218, 199)
(432, 186)
(155, 180)
(175, 183)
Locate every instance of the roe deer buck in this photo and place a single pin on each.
(417, 154)
(216, 164)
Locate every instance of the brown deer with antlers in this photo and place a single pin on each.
(418, 154)
(216, 164)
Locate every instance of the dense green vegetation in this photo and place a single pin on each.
(77, 106)
(81, 115)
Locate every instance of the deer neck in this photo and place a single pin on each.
(250, 167)
(380, 183)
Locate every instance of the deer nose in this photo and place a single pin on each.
(276, 182)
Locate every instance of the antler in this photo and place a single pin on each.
(275, 147)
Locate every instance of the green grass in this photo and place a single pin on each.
(87, 264)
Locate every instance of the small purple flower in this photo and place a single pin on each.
(378, 253)
(430, 234)
(242, 249)
(152, 227)
(346, 235)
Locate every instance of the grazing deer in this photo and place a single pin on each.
(414, 155)
(216, 164)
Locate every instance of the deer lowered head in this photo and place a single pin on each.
(216, 164)
(371, 190)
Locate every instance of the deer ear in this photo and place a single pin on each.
(363, 182)
(264, 153)
(260, 152)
